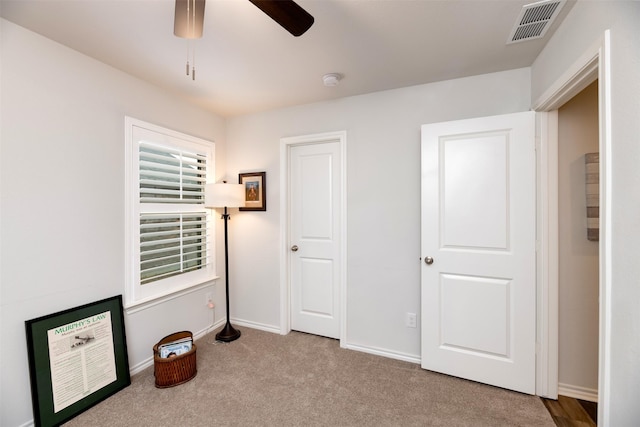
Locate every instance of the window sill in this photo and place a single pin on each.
(136, 306)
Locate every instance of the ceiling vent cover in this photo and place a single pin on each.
(534, 20)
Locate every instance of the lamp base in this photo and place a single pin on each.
(228, 333)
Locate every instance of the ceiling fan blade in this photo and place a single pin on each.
(287, 13)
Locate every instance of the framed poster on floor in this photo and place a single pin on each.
(77, 358)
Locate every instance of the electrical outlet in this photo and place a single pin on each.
(209, 299)
(411, 320)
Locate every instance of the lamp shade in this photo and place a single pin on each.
(224, 196)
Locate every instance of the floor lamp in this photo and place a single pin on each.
(225, 196)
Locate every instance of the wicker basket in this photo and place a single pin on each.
(177, 370)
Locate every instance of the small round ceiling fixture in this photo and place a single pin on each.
(331, 79)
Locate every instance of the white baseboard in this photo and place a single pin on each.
(255, 325)
(371, 350)
(385, 353)
(209, 329)
(139, 367)
(578, 392)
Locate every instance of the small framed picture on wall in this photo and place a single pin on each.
(255, 190)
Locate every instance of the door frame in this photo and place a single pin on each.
(594, 64)
(285, 267)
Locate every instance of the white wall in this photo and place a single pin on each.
(583, 27)
(62, 195)
(60, 109)
(383, 198)
(578, 257)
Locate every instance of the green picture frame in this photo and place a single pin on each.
(77, 358)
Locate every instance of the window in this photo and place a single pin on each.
(168, 233)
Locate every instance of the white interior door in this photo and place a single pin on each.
(315, 232)
(478, 228)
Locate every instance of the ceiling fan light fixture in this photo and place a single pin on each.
(188, 21)
(331, 79)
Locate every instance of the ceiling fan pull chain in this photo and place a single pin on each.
(188, 33)
(188, 52)
(193, 52)
(193, 62)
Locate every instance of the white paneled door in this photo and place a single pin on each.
(315, 233)
(478, 250)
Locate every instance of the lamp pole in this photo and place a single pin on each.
(228, 333)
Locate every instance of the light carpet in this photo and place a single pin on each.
(265, 379)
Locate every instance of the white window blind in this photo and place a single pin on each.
(170, 175)
(171, 243)
(170, 232)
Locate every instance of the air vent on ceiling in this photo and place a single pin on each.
(534, 20)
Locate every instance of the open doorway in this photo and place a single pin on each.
(578, 252)
(593, 64)
(578, 257)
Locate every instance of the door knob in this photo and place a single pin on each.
(294, 248)
(428, 260)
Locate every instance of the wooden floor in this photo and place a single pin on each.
(569, 412)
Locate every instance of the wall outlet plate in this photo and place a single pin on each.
(411, 320)
(208, 299)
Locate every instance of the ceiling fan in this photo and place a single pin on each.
(189, 16)
(189, 21)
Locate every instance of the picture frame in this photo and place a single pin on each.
(77, 358)
(255, 187)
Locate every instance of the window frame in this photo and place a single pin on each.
(135, 293)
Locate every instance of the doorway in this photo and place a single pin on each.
(592, 64)
(313, 234)
(578, 251)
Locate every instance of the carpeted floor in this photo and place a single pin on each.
(264, 379)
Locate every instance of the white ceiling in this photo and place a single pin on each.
(246, 62)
